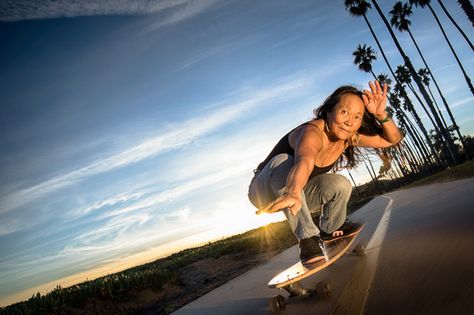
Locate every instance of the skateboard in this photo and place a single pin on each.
(289, 279)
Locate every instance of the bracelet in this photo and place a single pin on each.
(383, 121)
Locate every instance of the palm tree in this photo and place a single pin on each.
(455, 24)
(384, 79)
(426, 3)
(359, 8)
(399, 19)
(364, 55)
(417, 80)
(468, 9)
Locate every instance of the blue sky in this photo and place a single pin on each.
(130, 130)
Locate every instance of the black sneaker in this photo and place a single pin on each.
(348, 229)
(310, 250)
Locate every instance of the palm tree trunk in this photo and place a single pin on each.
(419, 123)
(380, 47)
(422, 147)
(468, 80)
(355, 185)
(413, 158)
(437, 106)
(424, 107)
(468, 9)
(418, 82)
(411, 130)
(440, 93)
(375, 176)
(455, 24)
(374, 180)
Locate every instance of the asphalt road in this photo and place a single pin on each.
(419, 260)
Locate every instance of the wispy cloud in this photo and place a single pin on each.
(182, 11)
(118, 199)
(181, 134)
(180, 190)
(227, 47)
(28, 9)
(462, 102)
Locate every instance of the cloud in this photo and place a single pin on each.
(177, 10)
(462, 102)
(174, 193)
(117, 199)
(226, 47)
(182, 12)
(174, 138)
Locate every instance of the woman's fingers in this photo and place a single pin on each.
(376, 88)
(281, 203)
(372, 87)
(365, 99)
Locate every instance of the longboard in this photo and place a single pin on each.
(290, 278)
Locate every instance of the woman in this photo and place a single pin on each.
(293, 177)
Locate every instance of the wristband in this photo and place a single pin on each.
(383, 121)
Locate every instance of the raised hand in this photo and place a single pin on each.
(375, 100)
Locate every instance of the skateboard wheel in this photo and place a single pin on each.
(277, 303)
(323, 289)
(358, 250)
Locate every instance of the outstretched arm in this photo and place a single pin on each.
(375, 102)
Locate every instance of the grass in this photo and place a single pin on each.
(461, 171)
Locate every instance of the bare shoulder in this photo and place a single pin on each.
(308, 134)
(313, 127)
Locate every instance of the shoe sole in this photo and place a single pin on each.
(343, 236)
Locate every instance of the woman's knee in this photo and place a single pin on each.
(333, 183)
(282, 161)
(342, 183)
(280, 167)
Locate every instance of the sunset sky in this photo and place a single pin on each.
(130, 129)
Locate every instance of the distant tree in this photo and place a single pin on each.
(469, 144)
(426, 3)
(400, 20)
(438, 143)
(468, 9)
(363, 57)
(456, 24)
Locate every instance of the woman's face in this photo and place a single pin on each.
(346, 118)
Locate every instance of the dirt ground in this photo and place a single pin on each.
(195, 280)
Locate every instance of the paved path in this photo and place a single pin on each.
(419, 260)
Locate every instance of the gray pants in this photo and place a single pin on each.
(328, 193)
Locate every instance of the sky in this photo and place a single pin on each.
(130, 129)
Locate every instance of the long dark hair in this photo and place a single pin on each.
(369, 126)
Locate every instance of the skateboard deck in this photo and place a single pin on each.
(333, 250)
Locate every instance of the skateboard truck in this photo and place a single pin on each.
(322, 290)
